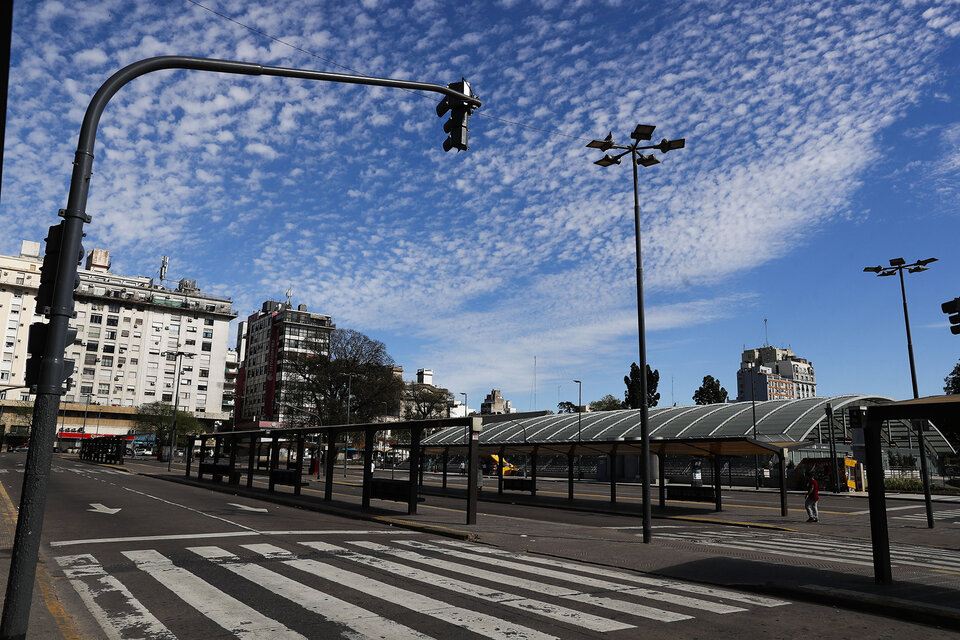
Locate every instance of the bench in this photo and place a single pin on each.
(287, 476)
(385, 489)
(700, 494)
(217, 471)
(518, 484)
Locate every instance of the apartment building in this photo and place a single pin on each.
(129, 329)
(772, 373)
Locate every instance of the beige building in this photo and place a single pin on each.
(771, 373)
(128, 330)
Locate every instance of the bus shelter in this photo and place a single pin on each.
(236, 454)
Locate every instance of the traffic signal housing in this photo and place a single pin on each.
(952, 308)
(36, 345)
(457, 126)
(49, 269)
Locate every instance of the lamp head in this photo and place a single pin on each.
(643, 132)
(607, 160)
(876, 269)
(603, 145)
(647, 161)
(897, 262)
(924, 263)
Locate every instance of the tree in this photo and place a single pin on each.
(157, 418)
(608, 402)
(566, 407)
(951, 384)
(426, 401)
(353, 373)
(632, 395)
(710, 392)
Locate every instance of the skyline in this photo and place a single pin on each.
(809, 131)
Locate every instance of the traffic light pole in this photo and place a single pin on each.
(26, 544)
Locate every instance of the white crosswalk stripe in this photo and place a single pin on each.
(859, 552)
(224, 585)
(949, 514)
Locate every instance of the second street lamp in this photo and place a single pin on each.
(177, 359)
(641, 133)
(897, 265)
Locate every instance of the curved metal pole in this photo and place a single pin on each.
(16, 609)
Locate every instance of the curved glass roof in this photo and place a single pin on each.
(776, 420)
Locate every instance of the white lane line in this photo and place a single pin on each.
(564, 614)
(621, 575)
(227, 534)
(480, 623)
(585, 581)
(126, 614)
(221, 608)
(362, 623)
(867, 511)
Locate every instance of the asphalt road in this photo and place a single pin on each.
(134, 556)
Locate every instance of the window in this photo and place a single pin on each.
(201, 387)
(186, 382)
(157, 328)
(174, 328)
(208, 334)
(204, 373)
(107, 361)
(90, 359)
(171, 357)
(208, 322)
(166, 397)
(88, 372)
(125, 333)
(92, 346)
(134, 362)
(201, 398)
(206, 346)
(94, 332)
(191, 329)
(152, 381)
(113, 308)
(103, 388)
(96, 318)
(191, 343)
(113, 321)
(86, 389)
(109, 348)
(111, 334)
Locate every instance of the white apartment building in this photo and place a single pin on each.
(128, 330)
(772, 373)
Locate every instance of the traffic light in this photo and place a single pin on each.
(49, 270)
(36, 345)
(952, 307)
(460, 110)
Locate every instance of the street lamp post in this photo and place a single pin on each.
(579, 424)
(177, 359)
(897, 265)
(641, 133)
(753, 408)
(346, 442)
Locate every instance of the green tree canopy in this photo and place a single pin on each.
(566, 407)
(951, 384)
(426, 401)
(352, 366)
(157, 418)
(710, 392)
(608, 402)
(632, 395)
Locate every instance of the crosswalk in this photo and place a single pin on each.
(397, 587)
(843, 551)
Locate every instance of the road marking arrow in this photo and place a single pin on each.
(99, 508)
(246, 508)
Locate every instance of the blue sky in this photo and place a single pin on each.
(821, 137)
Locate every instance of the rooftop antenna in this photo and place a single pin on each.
(534, 383)
(766, 338)
(289, 294)
(164, 261)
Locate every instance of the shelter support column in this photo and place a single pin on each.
(879, 535)
(202, 456)
(233, 454)
(533, 471)
(782, 472)
(718, 502)
(613, 474)
(190, 442)
(274, 459)
(415, 435)
(445, 461)
(500, 473)
(329, 460)
(473, 468)
(254, 445)
(298, 467)
(570, 474)
(662, 469)
(368, 436)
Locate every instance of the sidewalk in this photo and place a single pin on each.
(918, 595)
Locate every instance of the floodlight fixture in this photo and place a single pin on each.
(607, 160)
(647, 161)
(887, 273)
(603, 145)
(897, 262)
(669, 145)
(924, 263)
(876, 269)
(916, 269)
(643, 132)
